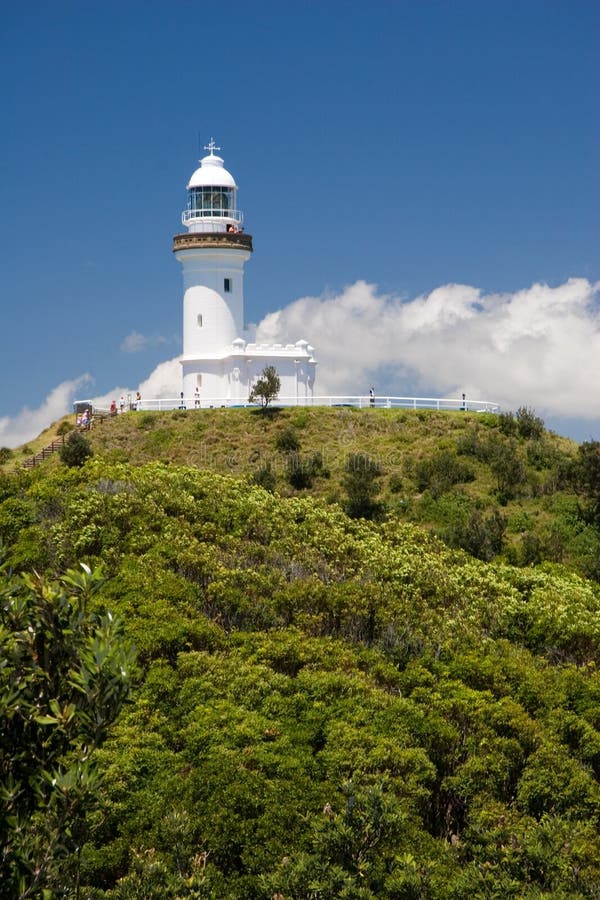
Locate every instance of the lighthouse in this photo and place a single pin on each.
(220, 360)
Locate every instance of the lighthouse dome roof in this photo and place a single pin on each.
(212, 173)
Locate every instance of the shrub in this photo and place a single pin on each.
(360, 483)
(287, 440)
(541, 454)
(441, 471)
(303, 470)
(265, 477)
(5, 454)
(507, 424)
(65, 683)
(509, 470)
(479, 535)
(64, 428)
(528, 424)
(75, 450)
(531, 549)
(395, 483)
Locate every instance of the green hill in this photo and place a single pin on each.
(325, 706)
(496, 486)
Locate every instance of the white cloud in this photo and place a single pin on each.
(28, 423)
(164, 381)
(538, 347)
(136, 342)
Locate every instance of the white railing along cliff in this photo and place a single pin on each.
(359, 401)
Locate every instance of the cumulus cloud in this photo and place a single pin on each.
(28, 423)
(538, 347)
(136, 342)
(164, 381)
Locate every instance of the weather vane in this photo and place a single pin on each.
(211, 146)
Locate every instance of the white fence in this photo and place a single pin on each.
(360, 402)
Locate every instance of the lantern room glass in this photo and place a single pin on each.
(211, 201)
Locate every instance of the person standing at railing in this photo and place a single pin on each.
(372, 397)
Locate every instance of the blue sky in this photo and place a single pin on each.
(401, 146)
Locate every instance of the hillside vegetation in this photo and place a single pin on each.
(496, 486)
(325, 706)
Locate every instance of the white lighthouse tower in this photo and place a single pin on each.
(218, 359)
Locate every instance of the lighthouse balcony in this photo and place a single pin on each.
(223, 216)
(212, 240)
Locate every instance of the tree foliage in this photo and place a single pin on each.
(587, 476)
(266, 388)
(75, 450)
(331, 706)
(361, 485)
(63, 680)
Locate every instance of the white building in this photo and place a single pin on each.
(220, 357)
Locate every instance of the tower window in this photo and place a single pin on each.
(227, 285)
(200, 321)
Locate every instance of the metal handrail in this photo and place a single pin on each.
(212, 213)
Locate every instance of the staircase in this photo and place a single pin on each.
(45, 453)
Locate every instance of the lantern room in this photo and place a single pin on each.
(212, 192)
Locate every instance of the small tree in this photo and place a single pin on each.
(361, 486)
(266, 388)
(64, 675)
(586, 476)
(528, 424)
(75, 450)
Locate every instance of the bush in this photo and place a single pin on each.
(5, 454)
(509, 470)
(395, 483)
(360, 484)
(479, 535)
(531, 549)
(75, 450)
(64, 682)
(287, 440)
(507, 424)
(265, 477)
(303, 470)
(441, 471)
(528, 424)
